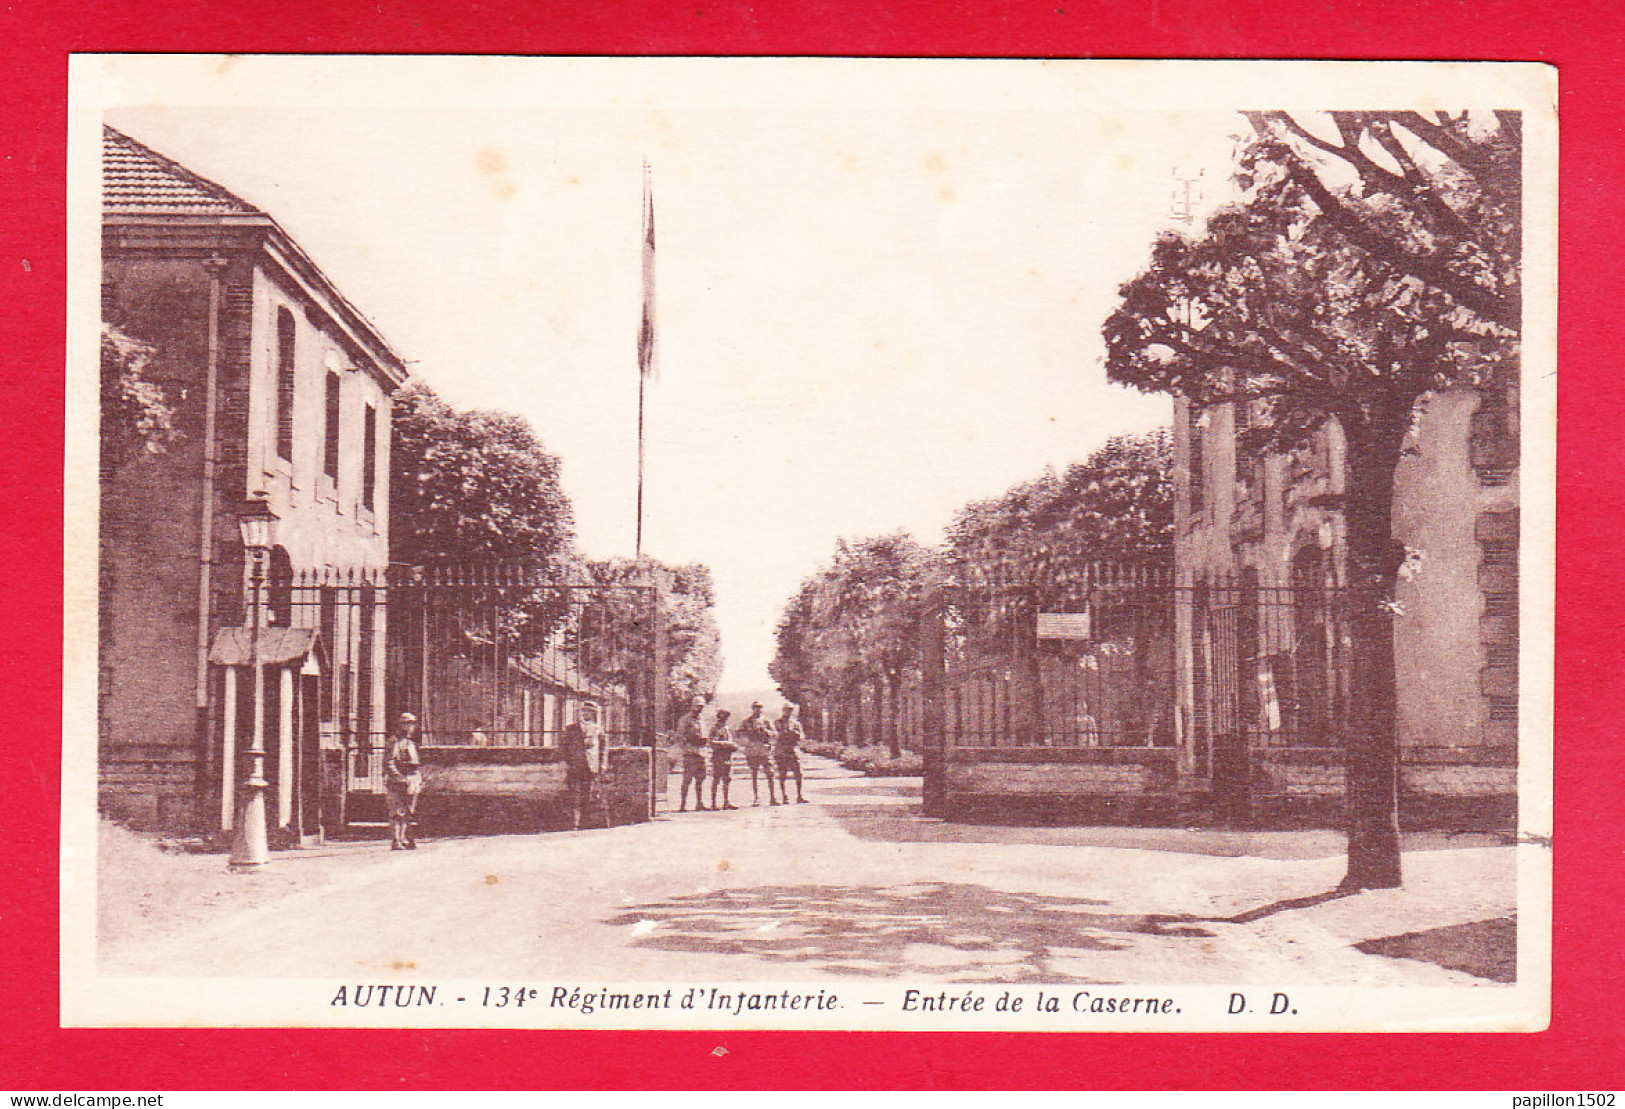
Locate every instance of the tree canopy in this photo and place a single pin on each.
(1373, 259)
(1318, 300)
(471, 486)
(616, 635)
(1435, 196)
(857, 621)
(1116, 505)
(472, 489)
(856, 617)
(137, 416)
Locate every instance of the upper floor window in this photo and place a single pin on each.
(1198, 466)
(1493, 442)
(369, 456)
(286, 337)
(330, 447)
(279, 589)
(1249, 458)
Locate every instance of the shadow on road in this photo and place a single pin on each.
(1287, 905)
(893, 817)
(1484, 948)
(958, 931)
(901, 822)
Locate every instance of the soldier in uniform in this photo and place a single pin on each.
(722, 757)
(691, 738)
(403, 781)
(583, 744)
(785, 755)
(757, 733)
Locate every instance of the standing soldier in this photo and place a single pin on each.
(785, 755)
(691, 738)
(583, 744)
(758, 736)
(722, 758)
(403, 781)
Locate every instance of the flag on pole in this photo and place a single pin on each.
(648, 363)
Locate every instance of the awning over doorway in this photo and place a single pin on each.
(276, 646)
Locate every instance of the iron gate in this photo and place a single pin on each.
(1124, 657)
(486, 656)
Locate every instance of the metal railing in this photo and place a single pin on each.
(1130, 659)
(485, 656)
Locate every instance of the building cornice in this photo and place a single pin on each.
(260, 234)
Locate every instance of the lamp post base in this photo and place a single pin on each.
(250, 849)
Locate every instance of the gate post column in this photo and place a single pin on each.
(934, 731)
(1027, 700)
(655, 705)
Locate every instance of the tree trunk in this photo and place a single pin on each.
(933, 717)
(1372, 730)
(890, 706)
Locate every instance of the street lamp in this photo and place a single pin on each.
(249, 849)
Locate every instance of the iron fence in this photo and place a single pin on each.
(1132, 659)
(485, 656)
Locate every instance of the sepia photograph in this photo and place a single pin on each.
(809, 543)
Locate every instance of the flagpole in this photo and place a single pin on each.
(646, 336)
(643, 380)
(653, 699)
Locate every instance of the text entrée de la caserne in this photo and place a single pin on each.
(1094, 1001)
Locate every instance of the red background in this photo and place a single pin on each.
(1586, 1042)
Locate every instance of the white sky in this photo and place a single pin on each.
(880, 284)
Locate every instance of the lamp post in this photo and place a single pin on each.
(249, 847)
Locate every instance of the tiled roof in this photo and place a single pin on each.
(139, 184)
(139, 181)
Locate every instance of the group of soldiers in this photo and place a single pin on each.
(770, 749)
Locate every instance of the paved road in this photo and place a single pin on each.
(854, 883)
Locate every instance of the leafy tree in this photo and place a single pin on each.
(136, 414)
(855, 623)
(1343, 287)
(794, 666)
(470, 487)
(885, 584)
(1032, 549)
(1437, 197)
(1115, 506)
(476, 492)
(615, 634)
(831, 669)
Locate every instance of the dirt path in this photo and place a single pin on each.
(854, 883)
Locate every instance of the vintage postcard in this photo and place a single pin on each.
(809, 543)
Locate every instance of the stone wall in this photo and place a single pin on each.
(1060, 783)
(1448, 789)
(523, 790)
(1439, 788)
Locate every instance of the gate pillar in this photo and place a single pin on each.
(934, 730)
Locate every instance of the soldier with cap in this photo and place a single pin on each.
(722, 757)
(403, 781)
(583, 759)
(785, 755)
(691, 739)
(757, 734)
